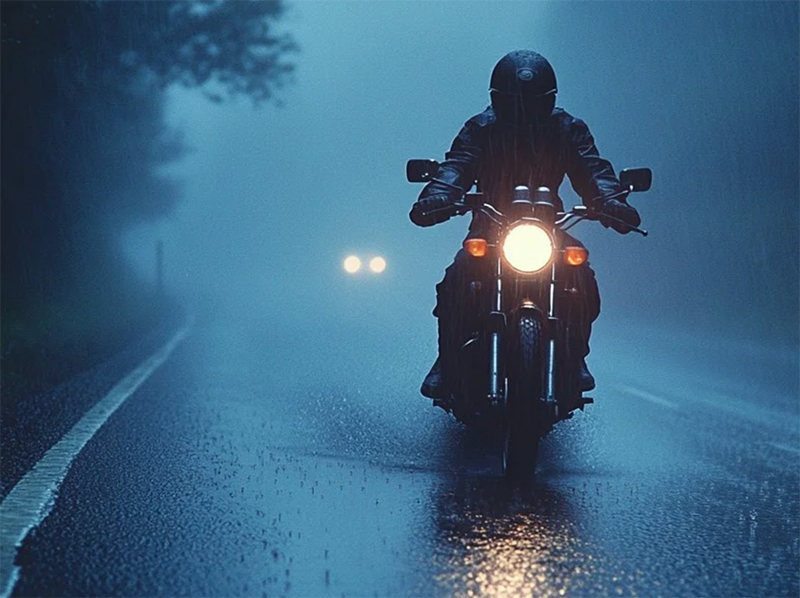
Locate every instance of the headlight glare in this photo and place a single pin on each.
(528, 248)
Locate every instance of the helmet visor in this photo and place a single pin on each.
(522, 109)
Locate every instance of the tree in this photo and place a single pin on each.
(82, 126)
(230, 44)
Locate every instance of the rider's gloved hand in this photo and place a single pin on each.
(433, 210)
(613, 208)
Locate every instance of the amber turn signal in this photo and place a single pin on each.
(476, 247)
(575, 256)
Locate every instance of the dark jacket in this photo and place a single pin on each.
(500, 157)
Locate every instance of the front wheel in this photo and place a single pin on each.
(523, 421)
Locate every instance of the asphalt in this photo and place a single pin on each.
(256, 462)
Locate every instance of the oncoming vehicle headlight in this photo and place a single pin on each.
(528, 248)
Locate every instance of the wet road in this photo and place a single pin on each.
(255, 462)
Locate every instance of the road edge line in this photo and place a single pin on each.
(33, 497)
(647, 396)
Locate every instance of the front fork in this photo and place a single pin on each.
(497, 324)
(550, 357)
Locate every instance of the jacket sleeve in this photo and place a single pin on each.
(454, 178)
(591, 176)
(458, 171)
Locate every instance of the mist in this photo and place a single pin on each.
(198, 399)
(705, 94)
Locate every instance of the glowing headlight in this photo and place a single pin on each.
(528, 248)
(352, 264)
(377, 264)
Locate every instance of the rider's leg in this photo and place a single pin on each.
(589, 293)
(433, 386)
(448, 294)
(591, 310)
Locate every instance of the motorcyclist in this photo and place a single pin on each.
(522, 138)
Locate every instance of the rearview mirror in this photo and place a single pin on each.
(421, 171)
(636, 179)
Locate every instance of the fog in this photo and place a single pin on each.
(705, 94)
(291, 378)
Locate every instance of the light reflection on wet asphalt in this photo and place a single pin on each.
(233, 473)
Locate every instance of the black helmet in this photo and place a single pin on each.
(523, 88)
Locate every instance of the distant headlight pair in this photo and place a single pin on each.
(352, 264)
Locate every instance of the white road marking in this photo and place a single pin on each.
(760, 413)
(32, 499)
(784, 447)
(648, 397)
(722, 402)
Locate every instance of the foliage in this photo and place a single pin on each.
(227, 43)
(83, 134)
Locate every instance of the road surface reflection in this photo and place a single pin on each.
(500, 541)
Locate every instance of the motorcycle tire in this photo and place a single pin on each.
(523, 407)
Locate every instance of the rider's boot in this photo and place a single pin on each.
(585, 378)
(433, 385)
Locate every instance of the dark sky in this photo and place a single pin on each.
(704, 93)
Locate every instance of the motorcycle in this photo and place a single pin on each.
(517, 371)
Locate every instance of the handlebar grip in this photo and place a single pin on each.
(461, 208)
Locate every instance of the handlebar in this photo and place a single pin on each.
(474, 202)
(585, 213)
